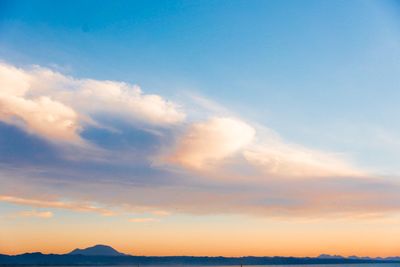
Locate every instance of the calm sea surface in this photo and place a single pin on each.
(297, 265)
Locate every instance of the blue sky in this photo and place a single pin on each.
(272, 108)
(306, 69)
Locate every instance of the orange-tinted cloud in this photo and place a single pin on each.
(207, 143)
(82, 207)
(143, 220)
(39, 115)
(35, 214)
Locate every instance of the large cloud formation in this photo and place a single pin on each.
(55, 106)
(165, 158)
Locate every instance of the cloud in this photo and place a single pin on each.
(129, 102)
(143, 220)
(59, 107)
(41, 115)
(56, 204)
(107, 97)
(207, 143)
(56, 106)
(35, 213)
(276, 158)
(221, 164)
(254, 194)
(160, 213)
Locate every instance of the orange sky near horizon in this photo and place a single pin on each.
(210, 236)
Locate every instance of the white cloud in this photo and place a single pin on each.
(107, 97)
(123, 100)
(277, 158)
(40, 115)
(207, 143)
(55, 106)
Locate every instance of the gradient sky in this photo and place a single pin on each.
(200, 127)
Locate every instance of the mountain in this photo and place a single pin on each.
(364, 258)
(327, 256)
(97, 250)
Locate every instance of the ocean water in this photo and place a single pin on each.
(335, 265)
(297, 265)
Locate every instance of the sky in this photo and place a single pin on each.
(200, 127)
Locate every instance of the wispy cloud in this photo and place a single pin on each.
(143, 220)
(277, 158)
(161, 213)
(56, 204)
(35, 214)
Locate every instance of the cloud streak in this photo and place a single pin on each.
(276, 158)
(35, 214)
(143, 220)
(82, 207)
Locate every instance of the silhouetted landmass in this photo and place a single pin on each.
(53, 259)
(91, 256)
(97, 250)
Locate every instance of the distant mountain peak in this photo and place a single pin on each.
(327, 256)
(97, 250)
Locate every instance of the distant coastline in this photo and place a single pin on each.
(106, 255)
(59, 260)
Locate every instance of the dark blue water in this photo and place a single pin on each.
(297, 265)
